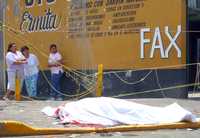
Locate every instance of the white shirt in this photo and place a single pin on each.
(13, 57)
(31, 67)
(53, 59)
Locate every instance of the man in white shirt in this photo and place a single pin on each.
(55, 65)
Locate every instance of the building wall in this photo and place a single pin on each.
(87, 35)
(101, 40)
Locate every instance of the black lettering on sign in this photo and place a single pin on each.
(45, 23)
(98, 3)
(114, 2)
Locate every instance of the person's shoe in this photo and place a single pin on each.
(59, 99)
(11, 97)
(6, 99)
(51, 99)
(33, 97)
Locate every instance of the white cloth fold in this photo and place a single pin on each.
(110, 111)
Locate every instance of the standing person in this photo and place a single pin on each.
(15, 61)
(55, 65)
(30, 72)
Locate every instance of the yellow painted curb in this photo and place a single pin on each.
(14, 128)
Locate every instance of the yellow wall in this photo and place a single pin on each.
(121, 51)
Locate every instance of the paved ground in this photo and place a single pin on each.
(29, 112)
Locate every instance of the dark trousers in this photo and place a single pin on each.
(55, 80)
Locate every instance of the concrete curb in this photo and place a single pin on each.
(14, 128)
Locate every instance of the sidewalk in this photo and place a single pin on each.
(29, 112)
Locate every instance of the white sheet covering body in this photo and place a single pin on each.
(110, 111)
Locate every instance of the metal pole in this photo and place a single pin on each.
(99, 89)
(18, 89)
(2, 47)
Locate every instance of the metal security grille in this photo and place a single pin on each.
(194, 4)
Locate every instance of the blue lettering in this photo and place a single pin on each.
(39, 2)
(30, 3)
(50, 1)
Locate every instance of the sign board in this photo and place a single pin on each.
(120, 34)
